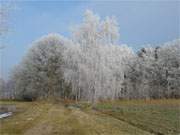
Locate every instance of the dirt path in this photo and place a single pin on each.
(71, 121)
(55, 119)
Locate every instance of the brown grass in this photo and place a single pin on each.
(134, 117)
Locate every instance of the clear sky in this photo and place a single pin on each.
(141, 22)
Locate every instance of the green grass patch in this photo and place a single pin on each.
(156, 116)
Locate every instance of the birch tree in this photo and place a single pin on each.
(96, 65)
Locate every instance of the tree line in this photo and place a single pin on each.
(92, 66)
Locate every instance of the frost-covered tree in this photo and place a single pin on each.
(5, 9)
(2, 88)
(95, 65)
(3, 19)
(94, 31)
(154, 73)
(92, 66)
(40, 72)
(169, 61)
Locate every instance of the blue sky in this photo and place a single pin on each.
(141, 23)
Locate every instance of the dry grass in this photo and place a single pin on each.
(136, 117)
(42, 118)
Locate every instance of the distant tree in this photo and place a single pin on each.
(155, 72)
(2, 88)
(169, 61)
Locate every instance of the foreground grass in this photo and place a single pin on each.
(160, 117)
(105, 118)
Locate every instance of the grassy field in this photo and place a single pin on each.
(104, 118)
(160, 117)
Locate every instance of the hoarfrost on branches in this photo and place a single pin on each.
(92, 66)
